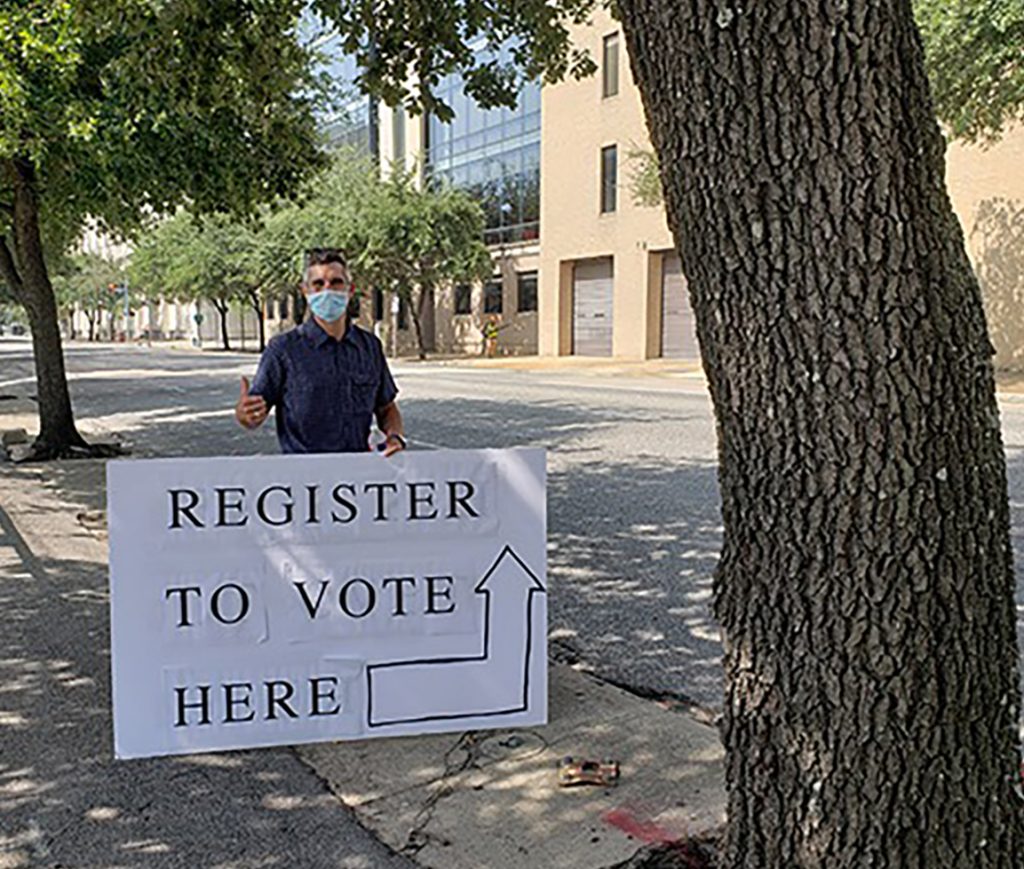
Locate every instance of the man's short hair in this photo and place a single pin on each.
(320, 256)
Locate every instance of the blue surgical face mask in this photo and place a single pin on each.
(328, 305)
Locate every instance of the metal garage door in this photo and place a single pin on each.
(678, 335)
(592, 308)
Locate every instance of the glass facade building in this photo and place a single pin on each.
(353, 121)
(494, 155)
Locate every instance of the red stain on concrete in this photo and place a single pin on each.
(642, 830)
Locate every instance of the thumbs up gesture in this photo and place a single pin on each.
(251, 410)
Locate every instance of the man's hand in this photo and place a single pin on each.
(251, 410)
(393, 444)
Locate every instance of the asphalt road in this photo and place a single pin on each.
(634, 523)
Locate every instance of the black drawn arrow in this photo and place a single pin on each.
(495, 682)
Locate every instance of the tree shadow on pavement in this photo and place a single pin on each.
(631, 575)
(632, 544)
(64, 801)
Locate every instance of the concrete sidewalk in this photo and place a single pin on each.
(491, 800)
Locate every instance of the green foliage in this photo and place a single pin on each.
(397, 237)
(405, 49)
(129, 107)
(189, 258)
(644, 176)
(84, 279)
(225, 258)
(974, 51)
(421, 238)
(327, 212)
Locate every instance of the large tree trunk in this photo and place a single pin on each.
(866, 585)
(26, 274)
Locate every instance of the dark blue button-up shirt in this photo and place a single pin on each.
(325, 391)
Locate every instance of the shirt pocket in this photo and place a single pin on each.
(363, 385)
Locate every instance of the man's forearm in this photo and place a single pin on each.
(389, 420)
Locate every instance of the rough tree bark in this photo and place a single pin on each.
(865, 588)
(24, 270)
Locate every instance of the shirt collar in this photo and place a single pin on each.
(312, 331)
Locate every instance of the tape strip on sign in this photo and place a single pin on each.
(277, 600)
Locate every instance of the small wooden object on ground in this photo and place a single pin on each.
(577, 771)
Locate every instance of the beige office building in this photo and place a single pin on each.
(610, 281)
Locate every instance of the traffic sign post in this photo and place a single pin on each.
(122, 290)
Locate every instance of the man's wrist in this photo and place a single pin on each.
(399, 437)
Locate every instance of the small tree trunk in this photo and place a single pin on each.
(414, 308)
(91, 319)
(865, 588)
(298, 307)
(30, 283)
(257, 306)
(222, 311)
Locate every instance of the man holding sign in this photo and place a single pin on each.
(327, 378)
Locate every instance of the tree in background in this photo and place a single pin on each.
(398, 238)
(224, 259)
(974, 50)
(194, 259)
(118, 110)
(82, 282)
(327, 212)
(414, 241)
(644, 177)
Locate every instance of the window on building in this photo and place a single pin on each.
(527, 292)
(398, 135)
(493, 154)
(463, 299)
(378, 305)
(610, 66)
(609, 178)
(492, 296)
(403, 314)
(282, 308)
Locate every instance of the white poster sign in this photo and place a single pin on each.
(284, 599)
